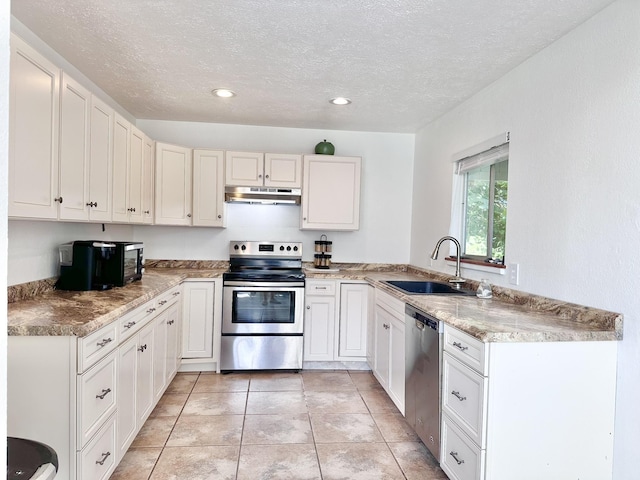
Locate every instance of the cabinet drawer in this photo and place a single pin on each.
(463, 397)
(167, 299)
(135, 320)
(96, 399)
(465, 348)
(98, 460)
(461, 459)
(390, 303)
(320, 287)
(96, 345)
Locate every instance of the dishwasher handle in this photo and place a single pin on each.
(422, 319)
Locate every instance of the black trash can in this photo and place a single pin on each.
(30, 460)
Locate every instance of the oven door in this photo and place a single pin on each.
(262, 308)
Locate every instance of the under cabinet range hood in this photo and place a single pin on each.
(262, 195)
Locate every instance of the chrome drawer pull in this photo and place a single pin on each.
(162, 302)
(129, 325)
(175, 294)
(151, 310)
(459, 346)
(170, 322)
(104, 393)
(455, 457)
(104, 342)
(142, 348)
(104, 458)
(458, 396)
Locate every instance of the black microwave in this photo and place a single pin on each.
(99, 265)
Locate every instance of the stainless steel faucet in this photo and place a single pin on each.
(457, 280)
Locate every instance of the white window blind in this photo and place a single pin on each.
(488, 157)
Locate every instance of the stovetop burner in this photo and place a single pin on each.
(265, 261)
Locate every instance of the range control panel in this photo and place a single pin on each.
(265, 249)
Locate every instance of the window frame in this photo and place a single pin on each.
(488, 259)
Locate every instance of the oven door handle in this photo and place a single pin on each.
(275, 285)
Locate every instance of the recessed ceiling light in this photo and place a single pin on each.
(223, 93)
(340, 101)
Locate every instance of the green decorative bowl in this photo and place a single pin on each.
(325, 148)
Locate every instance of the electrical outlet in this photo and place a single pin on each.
(514, 273)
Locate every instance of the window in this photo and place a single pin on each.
(484, 204)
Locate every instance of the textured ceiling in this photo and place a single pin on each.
(402, 62)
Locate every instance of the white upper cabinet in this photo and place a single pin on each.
(75, 114)
(34, 113)
(121, 132)
(282, 170)
(148, 163)
(331, 193)
(208, 188)
(100, 161)
(173, 185)
(244, 169)
(250, 169)
(136, 175)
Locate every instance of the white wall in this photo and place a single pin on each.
(33, 245)
(573, 223)
(385, 216)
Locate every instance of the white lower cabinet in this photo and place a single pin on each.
(388, 360)
(90, 396)
(197, 319)
(526, 410)
(335, 321)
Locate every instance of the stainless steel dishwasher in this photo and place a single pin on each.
(423, 340)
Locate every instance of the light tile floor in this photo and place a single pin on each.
(326, 425)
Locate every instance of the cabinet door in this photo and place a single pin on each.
(121, 129)
(381, 363)
(282, 170)
(354, 310)
(371, 327)
(208, 188)
(148, 161)
(319, 328)
(197, 320)
(144, 383)
(244, 169)
(396, 363)
(136, 176)
(331, 193)
(159, 355)
(100, 161)
(75, 112)
(127, 378)
(173, 185)
(34, 106)
(173, 340)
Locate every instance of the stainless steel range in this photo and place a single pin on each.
(262, 307)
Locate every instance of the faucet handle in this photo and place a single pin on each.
(457, 281)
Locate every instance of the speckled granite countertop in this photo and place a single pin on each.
(511, 316)
(58, 312)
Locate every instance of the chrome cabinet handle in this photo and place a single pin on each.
(175, 294)
(259, 175)
(129, 325)
(458, 396)
(386, 326)
(92, 204)
(455, 457)
(147, 212)
(170, 322)
(104, 458)
(104, 342)
(162, 302)
(104, 393)
(133, 209)
(58, 199)
(266, 176)
(460, 347)
(188, 215)
(142, 348)
(151, 310)
(308, 307)
(219, 216)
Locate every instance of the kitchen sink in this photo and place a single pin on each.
(426, 287)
